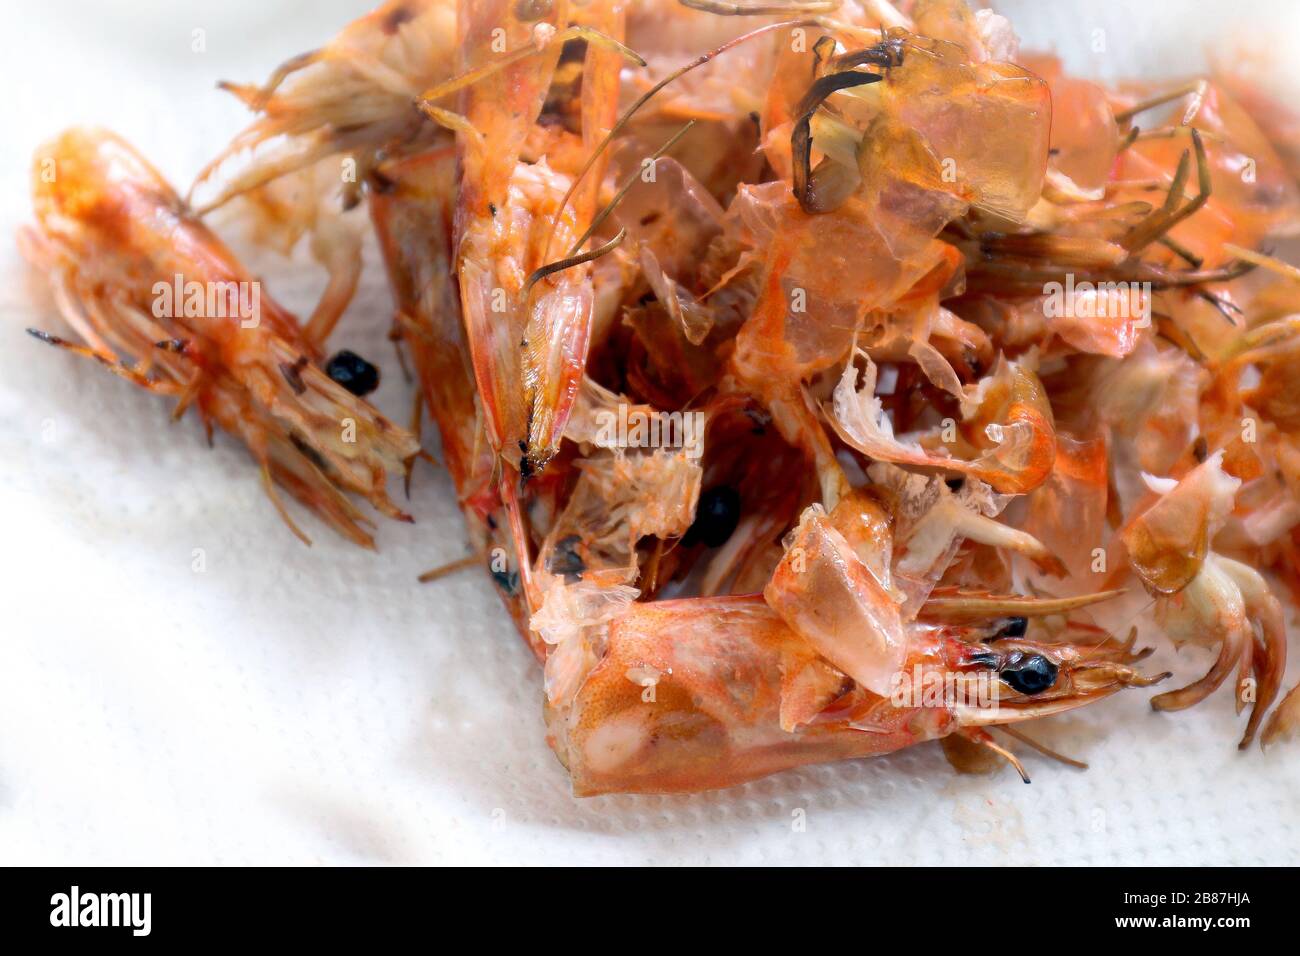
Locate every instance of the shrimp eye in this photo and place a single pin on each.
(353, 372)
(1029, 673)
(716, 517)
(565, 559)
(1014, 627)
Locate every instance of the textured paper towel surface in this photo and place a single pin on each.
(293, 705)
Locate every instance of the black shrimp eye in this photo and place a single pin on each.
(353, 372)
(1030, 674)
(1014, 627)
(716, 517)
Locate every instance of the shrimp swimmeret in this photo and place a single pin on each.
(965, 353)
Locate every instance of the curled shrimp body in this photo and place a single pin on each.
(112, 235)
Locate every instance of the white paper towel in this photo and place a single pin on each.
(294, 705)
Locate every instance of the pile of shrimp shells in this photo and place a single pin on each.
(999, 338)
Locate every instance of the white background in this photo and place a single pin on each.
(294, 705)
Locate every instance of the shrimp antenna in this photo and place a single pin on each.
(984, 740)
(115, 366)
(451, 567)
(885, 54)
(627, 184)
(649, 94)
(572, 261)
(1198, 87)
(801, 135)
(1169, 215)
(1272, 263)
(1178, 249)
(268, 483)
(257, 98)
(1042, 748)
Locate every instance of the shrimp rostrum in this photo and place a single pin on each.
(815, 377)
